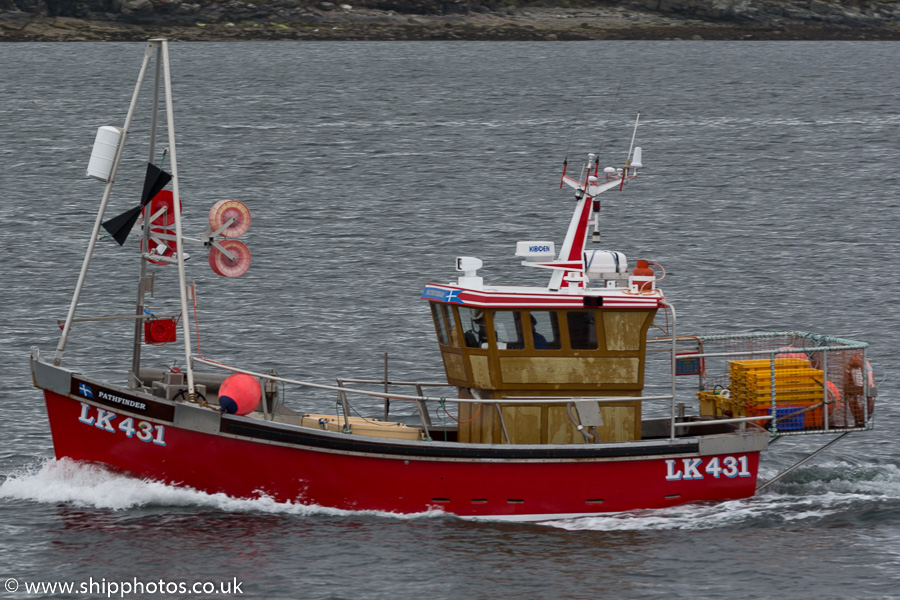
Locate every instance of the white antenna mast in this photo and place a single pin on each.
(630, 148)
(633, 134)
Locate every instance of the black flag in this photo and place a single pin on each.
(154, 182)
(120, 226)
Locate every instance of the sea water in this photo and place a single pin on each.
(769, 194)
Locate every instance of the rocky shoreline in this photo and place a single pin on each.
(388, 20)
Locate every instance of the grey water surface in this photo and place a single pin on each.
(769, 193)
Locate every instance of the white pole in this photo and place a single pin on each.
(139, 310)
(179, 242)
(673, 365)
(633, 134)
(95, 233)
(630, 148)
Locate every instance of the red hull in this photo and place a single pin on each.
(355, 481)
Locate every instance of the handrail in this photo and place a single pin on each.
(533, 399)
(120, 318)
(844, 344)
(722, 421)
(373, 394)
(767, 352)
(834, 343)
(389, 382)
(678, 343)
(673, 371)
(775, 352)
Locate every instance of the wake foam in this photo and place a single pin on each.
(87, 485)
(811, 493)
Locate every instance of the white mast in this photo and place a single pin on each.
(179, 241)
(95, 233)
(163, 54)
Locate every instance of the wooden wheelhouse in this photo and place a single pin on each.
(526, 353)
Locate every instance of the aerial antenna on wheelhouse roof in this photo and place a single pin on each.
(630, 148)
(608, 117)
(572, 133)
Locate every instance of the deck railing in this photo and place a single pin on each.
(791, 382)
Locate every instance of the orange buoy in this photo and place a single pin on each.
(239, 394)
(643, 270)
(226, 267)
(224, 210)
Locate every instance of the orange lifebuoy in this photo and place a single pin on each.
(836, 410)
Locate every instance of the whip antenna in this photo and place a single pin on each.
(572, 133)
(630, 148)
(633, 134)
(608, 115)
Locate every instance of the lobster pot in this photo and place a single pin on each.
(106, 145)
(809, 382)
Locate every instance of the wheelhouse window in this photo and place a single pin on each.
(545, 330)
(582, 330)
(473, 327)
(446, 326)
(508, 328)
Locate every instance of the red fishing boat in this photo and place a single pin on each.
(544, 390)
